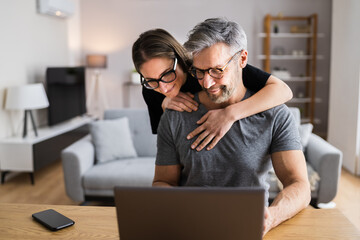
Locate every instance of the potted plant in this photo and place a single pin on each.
(135, 77)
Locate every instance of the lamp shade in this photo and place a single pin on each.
(26, 97)
(96, 61)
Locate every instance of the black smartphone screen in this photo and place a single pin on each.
(52, 219)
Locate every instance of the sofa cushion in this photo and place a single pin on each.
(136, 172)
(112, 140)
(139, 123)
(305, 132)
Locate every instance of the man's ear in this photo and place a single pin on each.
(243, 58)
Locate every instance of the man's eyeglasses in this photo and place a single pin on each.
(213, 72)
(167, 77)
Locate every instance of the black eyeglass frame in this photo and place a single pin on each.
(193, 69)
(145, 82)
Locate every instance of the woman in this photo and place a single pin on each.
(163, 65)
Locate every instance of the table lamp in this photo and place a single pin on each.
(27, 97)
(96, 92)
(97, 62)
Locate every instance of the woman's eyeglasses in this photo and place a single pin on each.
(167, 77)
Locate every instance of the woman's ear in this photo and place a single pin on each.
(243, 58)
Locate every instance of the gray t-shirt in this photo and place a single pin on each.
(240, 159)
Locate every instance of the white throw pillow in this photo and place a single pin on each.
(305, 132)
(112, 140)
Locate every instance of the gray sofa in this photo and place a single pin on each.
(86, 180)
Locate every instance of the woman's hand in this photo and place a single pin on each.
(214, 125)
(182, 102)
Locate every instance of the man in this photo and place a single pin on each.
(245, 154)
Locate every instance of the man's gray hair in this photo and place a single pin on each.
(215, 30)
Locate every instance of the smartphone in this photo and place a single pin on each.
(52, 219)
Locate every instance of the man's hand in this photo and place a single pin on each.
(214, 125)
(182, 102)
(267, 221)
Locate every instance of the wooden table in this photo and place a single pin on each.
(100, 223)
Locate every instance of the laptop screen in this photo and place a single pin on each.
(190, 213)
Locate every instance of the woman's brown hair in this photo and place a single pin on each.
(159, 43)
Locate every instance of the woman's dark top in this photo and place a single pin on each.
(253, 78)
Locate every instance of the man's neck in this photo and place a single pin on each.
(236, 97)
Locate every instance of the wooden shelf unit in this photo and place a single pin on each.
(310, 55)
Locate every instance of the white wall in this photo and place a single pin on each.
(29, 43)
(74, 36)
(344, 112)
(111, 26)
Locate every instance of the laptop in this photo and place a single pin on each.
(189, 213)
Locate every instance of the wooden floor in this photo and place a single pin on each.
(49, 189)
(348, 197)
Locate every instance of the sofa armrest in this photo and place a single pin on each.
(326, 161)
(77, 159)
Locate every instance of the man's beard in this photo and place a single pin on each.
(226, 90)
(226, 93)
